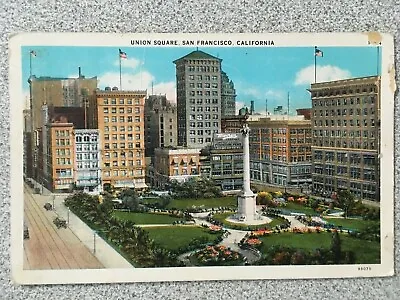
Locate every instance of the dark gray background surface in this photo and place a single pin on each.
(124, 16)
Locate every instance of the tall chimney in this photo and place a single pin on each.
(79, 72)
(252, 107)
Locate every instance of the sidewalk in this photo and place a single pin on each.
(106, 254)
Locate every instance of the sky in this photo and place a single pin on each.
(258, 73)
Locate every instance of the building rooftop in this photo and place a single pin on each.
(356, 80)
(197, 55)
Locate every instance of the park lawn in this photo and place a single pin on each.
(367, 252)
(221, 217)
(146, 218)
(150, 200)
(175, 237)
(355, 224)
(295, 207)
(203, 203)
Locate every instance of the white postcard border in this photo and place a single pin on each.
(386, 268)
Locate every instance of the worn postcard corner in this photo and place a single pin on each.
(175, 157)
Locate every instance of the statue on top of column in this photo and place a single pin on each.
(245, 129)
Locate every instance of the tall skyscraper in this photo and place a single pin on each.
(346, 136)
(160, 123)
(198, 87)
(119, 116)
(228, 96)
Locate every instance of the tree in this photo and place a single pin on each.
(336, 247)
(346, 201)
(130, 199)
(314, 203)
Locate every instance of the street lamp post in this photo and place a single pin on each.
(68, 216)
(94, 242)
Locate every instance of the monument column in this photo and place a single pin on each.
(247, 199)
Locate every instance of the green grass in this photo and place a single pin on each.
(221, 217)
(150, 200)
(203, 203)
(295, 207)
(356, 224)
(365, 251)
(145, 218)
(175, 237)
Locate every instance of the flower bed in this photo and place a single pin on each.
(217, 256)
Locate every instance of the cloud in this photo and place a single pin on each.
(130, 81)
(167, 88)
(239, 105)
(130, 62)
(138, 81)
(324, 73)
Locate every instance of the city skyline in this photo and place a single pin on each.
(258, 73)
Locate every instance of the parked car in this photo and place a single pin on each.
(26, 231)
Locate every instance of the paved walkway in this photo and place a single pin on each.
(95, 245)
(49, 247)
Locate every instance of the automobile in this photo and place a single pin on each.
(26, 231)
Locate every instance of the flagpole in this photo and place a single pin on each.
(377, 61)
(120, 76)
(30, 64)
(315, 64)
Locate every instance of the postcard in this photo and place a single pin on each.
(182, 157)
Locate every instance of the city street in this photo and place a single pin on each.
(49, 247)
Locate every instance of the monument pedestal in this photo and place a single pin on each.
(247, 208)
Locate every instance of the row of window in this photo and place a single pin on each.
(203, 69)
(121, 101)
(87, 165)
(108, 146)
(176, 172)
(123, 173)
(201, 132)
(200, 108)
(206, 93)
(344, 122)
(122, 137)
(352, 172)
(353, 158)
(206, 101)
(345, 144)
(123, 163)
(201, 117)
(122, 119)
(206, 85)
(121, 128)
(206, 124)
(344, 112)
(87, 147)
(80, 156)
(62, 133)
(63, 161)
(344, 133)
(121, 110)
(345, 101)
(63, 142)
(86, 138)
(107, 154)
(63, 152)
(199, 140)
(63, 172)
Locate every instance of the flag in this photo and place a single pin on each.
(318, 52)
(122, 54)
(33, 53)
